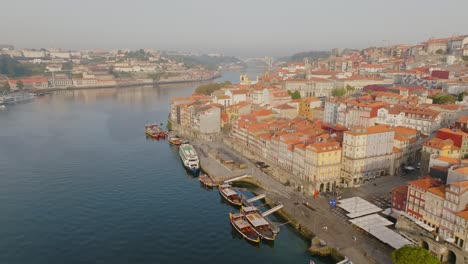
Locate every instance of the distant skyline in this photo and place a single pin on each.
(238, 28)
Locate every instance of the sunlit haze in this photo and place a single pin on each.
(232, 27)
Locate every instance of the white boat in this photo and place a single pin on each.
(189, 158)
(15, 98)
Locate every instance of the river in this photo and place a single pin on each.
(80, 183)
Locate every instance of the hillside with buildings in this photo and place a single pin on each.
(28, 69)
(402, 110)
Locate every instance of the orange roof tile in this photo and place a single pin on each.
(438, 190)
(462, 184)
(463, 119)
(310, 99)
(463, 214)
(405, 130)
(424, 183)
(324, 147)
(369, 130)
(463, 170)
(449, 160)
(455, 132)
(438, 143)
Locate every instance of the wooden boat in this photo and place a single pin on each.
(261, 225)
(175, 141)
(206, 180)
(243, 227)
(152, 130)
(230, 195)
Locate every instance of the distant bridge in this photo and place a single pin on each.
(267, 60)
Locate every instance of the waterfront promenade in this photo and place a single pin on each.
(315, 219)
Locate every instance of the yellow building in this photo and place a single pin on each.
(307, 104)
(234, 111)
(441, 148)
(323, 165)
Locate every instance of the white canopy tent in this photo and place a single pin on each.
(376, 225)
(356, 206)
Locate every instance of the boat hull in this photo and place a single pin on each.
(230, 201)
(265, 231)
(190, 169)
(175, 142)
(251, 238)
(155, 136)
(206, 181)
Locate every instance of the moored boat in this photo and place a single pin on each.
(154, 131)
(230, 195)
(207, 181)
(175, 141)
(261, 225)
(19, 97)
(189, 158)
(243, 227)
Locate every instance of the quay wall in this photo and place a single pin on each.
(127, 84)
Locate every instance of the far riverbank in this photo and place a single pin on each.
(128, 84)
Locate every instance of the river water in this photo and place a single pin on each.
(80, 183)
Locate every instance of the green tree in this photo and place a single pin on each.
(208, 89)
(413, 255)
(156, 76)
(339, 92)
(12, 68)
(439, 51)
(443, 98)
(349, 88)
(20, 84)
(461, 96)
(296, 95)
(68, 66)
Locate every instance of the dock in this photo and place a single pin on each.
(237, 178)
(256, 198)
(272, 210)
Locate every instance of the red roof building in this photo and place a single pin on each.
(416, 195)
(399, 195)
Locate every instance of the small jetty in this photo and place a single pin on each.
(237, 178)
(256, 198)
(272, 210)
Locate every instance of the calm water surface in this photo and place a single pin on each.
(80, 183)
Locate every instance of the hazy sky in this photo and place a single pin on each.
(235, 27)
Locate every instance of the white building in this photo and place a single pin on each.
(367, 153)
(423, 119)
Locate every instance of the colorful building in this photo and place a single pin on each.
(323, 165)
